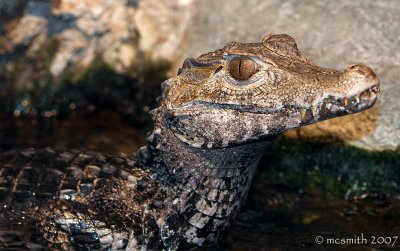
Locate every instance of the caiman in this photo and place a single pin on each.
(191, 179)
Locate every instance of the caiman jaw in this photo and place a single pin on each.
(360, 97)
(334, 105)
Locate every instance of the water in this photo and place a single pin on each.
(277, 218)
(103, 131)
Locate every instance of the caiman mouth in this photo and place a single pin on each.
(333, 106)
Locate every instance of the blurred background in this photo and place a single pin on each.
(85, 73)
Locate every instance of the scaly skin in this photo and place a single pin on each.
(183, 188)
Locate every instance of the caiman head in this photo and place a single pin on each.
(246, 92)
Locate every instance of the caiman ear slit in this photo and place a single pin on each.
(284, 45)
(242, 68)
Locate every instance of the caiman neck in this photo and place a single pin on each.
(206, 186)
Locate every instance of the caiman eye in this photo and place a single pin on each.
(242, 68)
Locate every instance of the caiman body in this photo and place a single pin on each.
(183, 188)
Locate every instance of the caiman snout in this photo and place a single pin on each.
(364, 85)
(365, 73)
(354, 90)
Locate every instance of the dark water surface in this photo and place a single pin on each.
(301, 194)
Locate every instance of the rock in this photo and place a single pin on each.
(10, 8)
(117, 30)
(162, 25)
(84, 29)
(48, 45)
(30, 25)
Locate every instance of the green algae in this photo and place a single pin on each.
(334, 167)
(308, 187)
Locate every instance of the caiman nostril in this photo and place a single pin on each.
(363, 71)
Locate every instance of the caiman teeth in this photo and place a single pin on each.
(345, 101)
(314, 111)
(357, 98)
(303, 114)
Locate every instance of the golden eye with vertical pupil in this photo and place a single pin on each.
(242, 68)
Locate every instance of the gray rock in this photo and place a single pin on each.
(8, 8)
(84, 30)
